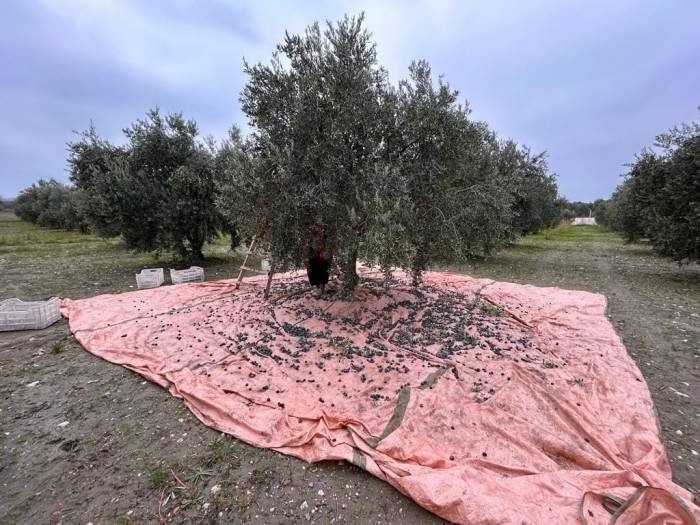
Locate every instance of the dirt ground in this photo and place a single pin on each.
(83, 440)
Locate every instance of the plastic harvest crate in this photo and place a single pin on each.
(191, 274)
(31, 315)
(150, 278)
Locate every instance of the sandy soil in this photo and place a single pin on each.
(131, 453)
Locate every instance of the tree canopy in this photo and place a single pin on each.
(660, 196)
(51, 204)
(157, 190)
(400, 176)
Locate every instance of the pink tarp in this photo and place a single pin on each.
(485, 402)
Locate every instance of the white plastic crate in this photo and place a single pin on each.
(150, 278)
(188, 275)
(30, 315)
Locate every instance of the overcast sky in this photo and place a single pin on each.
(589, 82)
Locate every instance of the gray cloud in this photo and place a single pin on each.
(591, 83)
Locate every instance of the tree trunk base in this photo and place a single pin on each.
(349, 276)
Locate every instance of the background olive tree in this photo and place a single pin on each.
(90, 161)
(660, 196)
(157, 190)
(535, 190)
(457, 202)
(51, 204)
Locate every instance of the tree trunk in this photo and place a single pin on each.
(350, 277)
(417, 268)
(195, 252)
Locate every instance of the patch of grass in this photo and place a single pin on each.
(158, 474)
(358, 512)
(18, 511)
(116, 465)
(71, 264)
(123, 519)
(217, 450)
(565, 232)
(221, 448)
(199, 474)
(243, 502)
(258, 476)
(57, 347)
(557, 231)
(191, 501)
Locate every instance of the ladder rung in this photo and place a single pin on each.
(247, 269)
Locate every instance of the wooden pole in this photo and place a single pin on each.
(245, 262)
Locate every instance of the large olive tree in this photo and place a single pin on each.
(318, 114)
(399, 176)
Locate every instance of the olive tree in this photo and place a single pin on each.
(537, 204)
(400, 177)
(157, 190)
(676, 230)
(91, 161)
(230, 164)
(457, 200)
(317, 114)
(50, 204)
(660, 196)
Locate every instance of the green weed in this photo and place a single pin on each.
(243, 502)
(258, 477)
(158, 474)
(199, 474)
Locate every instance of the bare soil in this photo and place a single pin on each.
(132, 453)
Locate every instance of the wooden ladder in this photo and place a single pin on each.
(245, 268)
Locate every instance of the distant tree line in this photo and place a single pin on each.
(659, 198)
(399, 175)
(569, 210)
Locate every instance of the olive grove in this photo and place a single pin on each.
(51, 204)
(397, 175)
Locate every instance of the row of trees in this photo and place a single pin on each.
(51, 204)
(659, 198)
(400, 175)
